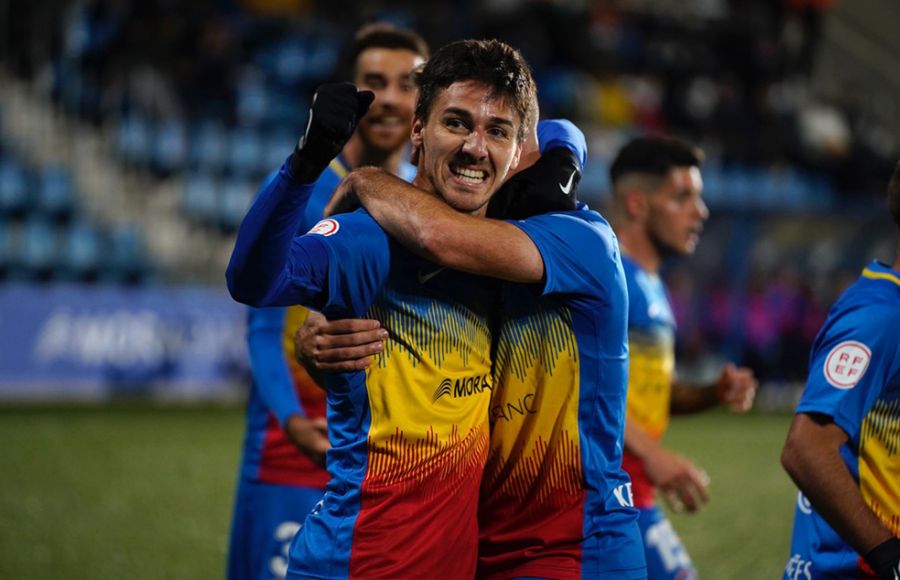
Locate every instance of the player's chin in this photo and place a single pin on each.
(388, 139)
(466, 200)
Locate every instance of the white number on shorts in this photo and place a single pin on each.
(284, 533)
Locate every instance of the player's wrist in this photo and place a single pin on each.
(885, 558)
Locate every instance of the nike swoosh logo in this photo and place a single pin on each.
(568, 187)
(426, 277)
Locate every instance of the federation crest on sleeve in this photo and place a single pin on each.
(325, 228)
(846, 364)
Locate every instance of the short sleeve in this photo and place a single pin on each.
(358, 262)
(579, 250)
(851, 363)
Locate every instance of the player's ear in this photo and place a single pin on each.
(417, 136)
(636, 203)
(517, 157)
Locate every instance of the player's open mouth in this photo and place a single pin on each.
(387, 121)
(470, 176)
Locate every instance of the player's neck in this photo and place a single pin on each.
(358, 155)
(897, 261)
(639, 247)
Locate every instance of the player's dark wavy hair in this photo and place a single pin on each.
(894, 195)
(654, 156)
(491, 62)
(381, 35)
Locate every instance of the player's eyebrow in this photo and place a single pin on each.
(468, 116)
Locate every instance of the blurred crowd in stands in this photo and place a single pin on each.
(213, 94)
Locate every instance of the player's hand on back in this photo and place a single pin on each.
(336, 110)
(737, 387)
(310, 436)
(338, 346)
(683, 485)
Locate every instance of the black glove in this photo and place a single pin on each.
(335, 111)
(548, 185)
(885, 559)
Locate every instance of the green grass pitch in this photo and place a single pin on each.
(146, 493)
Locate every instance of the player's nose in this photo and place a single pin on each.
(475, 145)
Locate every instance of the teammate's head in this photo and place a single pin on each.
(657, 187)
(475, 105)
(894, 195)
(382, 60)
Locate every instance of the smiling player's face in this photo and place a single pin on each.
(466, 145)
(387, 73)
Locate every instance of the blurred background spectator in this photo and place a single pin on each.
(134, 134)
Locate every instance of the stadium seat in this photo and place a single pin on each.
(134, 140)
(209, 147)
(127, 262)
(55, 194)
(244, 153)
(233, 203)
(13, 187)
(170, 147)
(199, 198)
(38, 250)
(80, 255)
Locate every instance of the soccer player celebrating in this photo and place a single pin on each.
(841, 449)
(659, 211)
(282, 473)
(554, 501)
(409, 436)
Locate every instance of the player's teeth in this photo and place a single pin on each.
(470, 174)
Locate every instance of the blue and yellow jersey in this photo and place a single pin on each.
(854, 378)
(410, 434)
(651, 344)
(280, 386)
(554, 501)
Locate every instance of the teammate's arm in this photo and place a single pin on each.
(340, 346)
(683, 484)
(430, 228)
(735, 388)
(812, 458)
(265, 265)
(276, 387)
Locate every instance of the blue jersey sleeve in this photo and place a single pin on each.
(264, 238)
(359, 256)
(853, 359)
(579, 250)
(271, 375)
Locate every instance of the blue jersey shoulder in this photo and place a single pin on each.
(579, 250)
(649, 304)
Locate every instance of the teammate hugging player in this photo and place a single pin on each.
(282, 472)
(405, 464)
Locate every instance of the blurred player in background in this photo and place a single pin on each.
(282, 473)
(658, 211)
(405, 462)
(842, 448)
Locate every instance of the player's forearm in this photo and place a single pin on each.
(430, 228)
(687, 399)
(812, 458)
(268, 367)
(637, 441)
(261, 249)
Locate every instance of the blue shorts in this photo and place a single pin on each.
(266, 517)
(666, 557)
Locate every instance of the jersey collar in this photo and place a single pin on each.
(878, 271)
